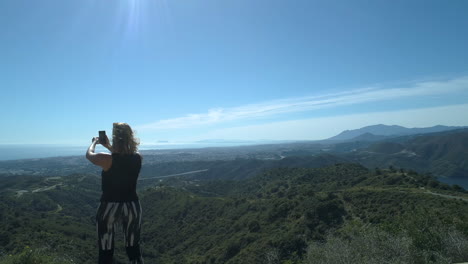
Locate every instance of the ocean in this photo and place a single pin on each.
(15, 152)
(36, 151)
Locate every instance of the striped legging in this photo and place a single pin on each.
(129, 215)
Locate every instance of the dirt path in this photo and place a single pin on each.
(59, 208)
(172, 175)
(447, 196)
(47, 188)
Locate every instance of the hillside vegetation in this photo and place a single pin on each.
(282, 215)
(441, 154)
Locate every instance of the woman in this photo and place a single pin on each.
(119, 200)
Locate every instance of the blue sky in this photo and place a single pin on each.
(246, 69)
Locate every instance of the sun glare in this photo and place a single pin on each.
(134, 18)
(130, 16)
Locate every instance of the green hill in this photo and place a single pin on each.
(282, 215)
(443, 154)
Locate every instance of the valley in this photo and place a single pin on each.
(285, 203)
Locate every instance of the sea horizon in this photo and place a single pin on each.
(38, 151)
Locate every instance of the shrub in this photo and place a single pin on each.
(363, 245)
(33, 256)
(373, 245)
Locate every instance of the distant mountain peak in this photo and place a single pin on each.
(368, 137)
(388, 131)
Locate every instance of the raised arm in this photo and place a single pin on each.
(103, 160)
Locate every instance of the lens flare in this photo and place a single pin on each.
(135, 18)
(130, 16)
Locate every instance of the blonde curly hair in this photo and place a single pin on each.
(123, 140)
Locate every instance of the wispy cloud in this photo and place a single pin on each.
(291, 105)
(325, 127)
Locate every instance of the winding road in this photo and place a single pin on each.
(173, 175)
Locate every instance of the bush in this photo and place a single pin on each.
(455, 244)
(373, 245)
(363, 245)
(33, 256)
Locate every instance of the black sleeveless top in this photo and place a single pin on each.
(119, 182)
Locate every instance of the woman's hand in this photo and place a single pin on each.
(103, 160)
(106, 144)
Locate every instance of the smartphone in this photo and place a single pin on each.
(102, 137)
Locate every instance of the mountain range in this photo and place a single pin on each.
(380, 131)
(367, 199)
(444, 154)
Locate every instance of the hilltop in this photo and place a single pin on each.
(278, 215)
(443, 154)
(390, 131)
